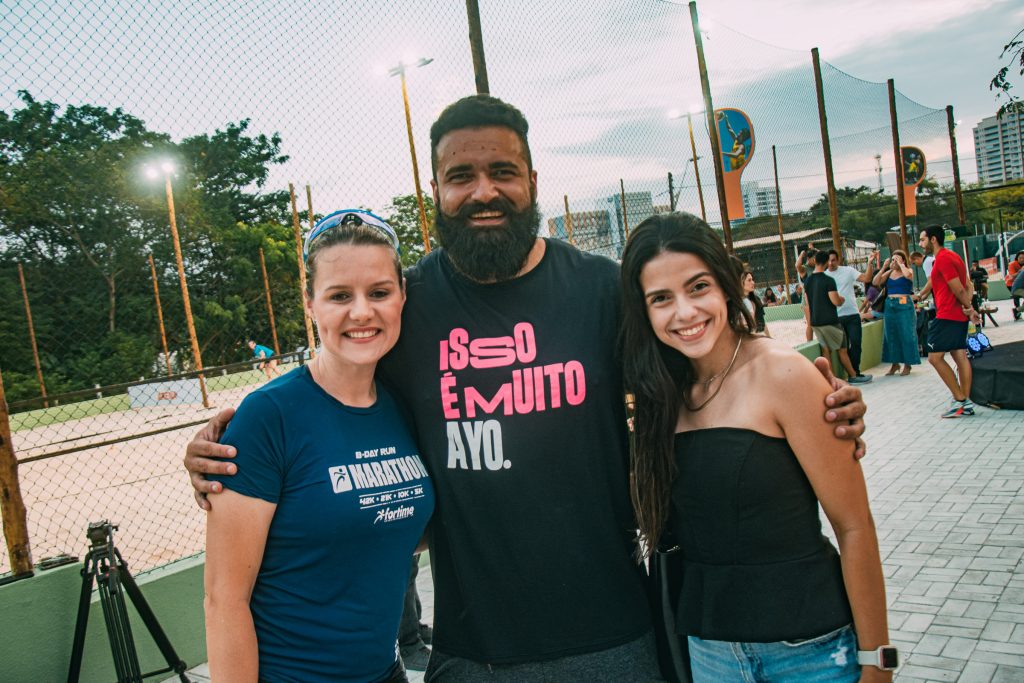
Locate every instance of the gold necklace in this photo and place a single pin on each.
(723, 374)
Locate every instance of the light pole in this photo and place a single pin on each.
(399, 70)
(166, 169)
(693, 157)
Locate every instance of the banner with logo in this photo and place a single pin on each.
(737, 139)
(914, 169)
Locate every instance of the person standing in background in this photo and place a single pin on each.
(947, 333)
(849, 315)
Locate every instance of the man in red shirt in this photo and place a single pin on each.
(947, 333)
(1016, 266)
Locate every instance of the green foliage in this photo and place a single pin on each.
(403, 214)
(78, 213)
(1013, 52)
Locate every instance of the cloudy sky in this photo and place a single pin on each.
(596, 80)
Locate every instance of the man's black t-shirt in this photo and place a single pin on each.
(823, 311)
(517, 400)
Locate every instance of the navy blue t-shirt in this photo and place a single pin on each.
(353, 499)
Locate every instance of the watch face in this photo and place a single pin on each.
(889, 656)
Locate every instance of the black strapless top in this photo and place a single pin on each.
(757, 568)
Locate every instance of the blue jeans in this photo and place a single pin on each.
(831, 657)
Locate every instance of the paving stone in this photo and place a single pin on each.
(1008, 674)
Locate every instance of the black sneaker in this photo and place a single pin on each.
(426, 634)
(417, 659)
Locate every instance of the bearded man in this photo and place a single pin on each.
(507, 362)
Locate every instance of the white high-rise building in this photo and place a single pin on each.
(758, 200)
(999, 148)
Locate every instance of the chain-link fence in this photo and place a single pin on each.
(242, 99)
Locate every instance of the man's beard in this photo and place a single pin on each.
(489, 254)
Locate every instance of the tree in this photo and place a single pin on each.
(403, 214)
(1013, 52)
(864, 214)
(69, 189)
(77, 213)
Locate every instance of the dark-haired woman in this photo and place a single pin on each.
(308, 548)
(753, 302)
(899, 342)
(734, 475)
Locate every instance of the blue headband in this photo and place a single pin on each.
(351, 217)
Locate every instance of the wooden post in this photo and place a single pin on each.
(709, 111)
(309, 208)
(568, 220)
(951, 125)
(833, 208)
(424, 228)
(671, 193)
(270, 306)
(696, 169)
(899, 164)
(12, 506)
(196, 353)
(476, 45)
(310, 339)
(778, 213)
(32, 337)
(625, 218)
(160, 315)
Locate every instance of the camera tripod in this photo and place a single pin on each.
(103, 563)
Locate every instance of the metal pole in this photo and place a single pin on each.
(476, 45)
(270, 306)
(415, 166)
(160, 316)
(184, 290)
(568, 220)
(671, 193)
(709, 110)
(625, 218)
(696, 169)
(12, 506)
(833, 208)
(951, 125)
(900, 204)
(32, 336)
(310, 339)
(778, 213)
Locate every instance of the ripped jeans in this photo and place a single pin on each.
(831, 657)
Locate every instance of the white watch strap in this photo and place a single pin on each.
(867, 657)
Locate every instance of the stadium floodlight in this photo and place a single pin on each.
(399, 70)
(166, 169)
(675, 114)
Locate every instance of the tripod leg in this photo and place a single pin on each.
(82, 622)
(155, 630)
(119, 633)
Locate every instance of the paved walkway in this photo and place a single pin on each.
(948, 500)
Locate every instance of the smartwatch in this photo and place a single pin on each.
(886, 658)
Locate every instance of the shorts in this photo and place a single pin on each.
(831, 657)
(946, 335)
(832, 337)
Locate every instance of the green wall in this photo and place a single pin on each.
(37, 625)
(870, 349)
